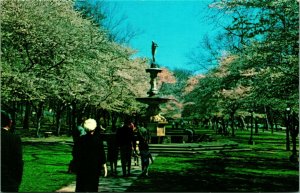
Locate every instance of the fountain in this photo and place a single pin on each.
(156, 124)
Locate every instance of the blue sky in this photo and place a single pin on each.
(177, 27)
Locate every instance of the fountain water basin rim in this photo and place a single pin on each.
(153, 100)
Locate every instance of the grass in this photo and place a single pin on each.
(266, 168)
(45, 167)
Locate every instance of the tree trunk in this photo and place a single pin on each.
(213, 126)
(287, 131)
(59, 111)
(105, 118)
(27, 115)
(232, 123)
(39, 115)
(272, 123)
(276, 125)
(210, 124)
(74, 121)
(267, 118)
(114, 119)
(251, 131)
(248, 123)
(242, 122)
(13, 114)
(69, 118)
(224, 130)
(98, 117)
(294, 131)
(256, 125)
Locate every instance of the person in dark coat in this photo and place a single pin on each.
(112, 153)
(89, 159)
(125, 140)
(11, 156)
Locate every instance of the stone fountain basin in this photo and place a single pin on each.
(153, 100)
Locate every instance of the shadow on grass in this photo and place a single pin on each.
(219, 174)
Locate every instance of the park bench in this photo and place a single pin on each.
(48, 133)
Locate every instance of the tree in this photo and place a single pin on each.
(264, 52)
(50, 53)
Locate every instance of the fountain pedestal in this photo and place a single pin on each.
(156, 122)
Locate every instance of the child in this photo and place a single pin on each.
(145, 156)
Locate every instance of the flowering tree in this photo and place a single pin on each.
(54, 58)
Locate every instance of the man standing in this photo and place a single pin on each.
(11, 156)
(125, 140)
(89, 158)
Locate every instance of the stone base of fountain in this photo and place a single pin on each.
(157, 129)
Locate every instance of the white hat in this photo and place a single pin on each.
(90, 125)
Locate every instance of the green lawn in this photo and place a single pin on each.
(266, 168)
(45, 167)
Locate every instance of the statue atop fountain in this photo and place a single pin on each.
(156, 122)
(153, 49)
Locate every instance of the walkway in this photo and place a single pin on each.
(113, 184)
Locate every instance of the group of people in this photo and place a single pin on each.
(89, 159)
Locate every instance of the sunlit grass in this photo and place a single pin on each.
(262, 167)
(170, 164)
(263, 171)
(45, 167)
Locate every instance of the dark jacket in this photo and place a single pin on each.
(125, 136)
(89, 155)
(11, 161)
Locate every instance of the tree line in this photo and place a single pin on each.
(56, 59)
(257, 76)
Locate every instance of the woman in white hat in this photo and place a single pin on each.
(89, 159)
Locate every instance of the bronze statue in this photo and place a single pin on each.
(154, 45)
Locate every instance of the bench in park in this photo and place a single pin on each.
(48, 133)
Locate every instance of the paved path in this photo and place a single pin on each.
(110, 183)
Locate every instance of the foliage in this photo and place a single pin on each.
(52, 54)
(172, 85)
(259, 68)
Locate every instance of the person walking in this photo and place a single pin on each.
(89, 159)
(11, 156)
(145, 156)
(125, 140)
(112, 153)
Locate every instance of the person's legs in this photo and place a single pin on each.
(9, 189)
(93, 184)
(79, 183)
(143, 167)
(146, 168)
(123, 153)
(129, 152)
(87, 183)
